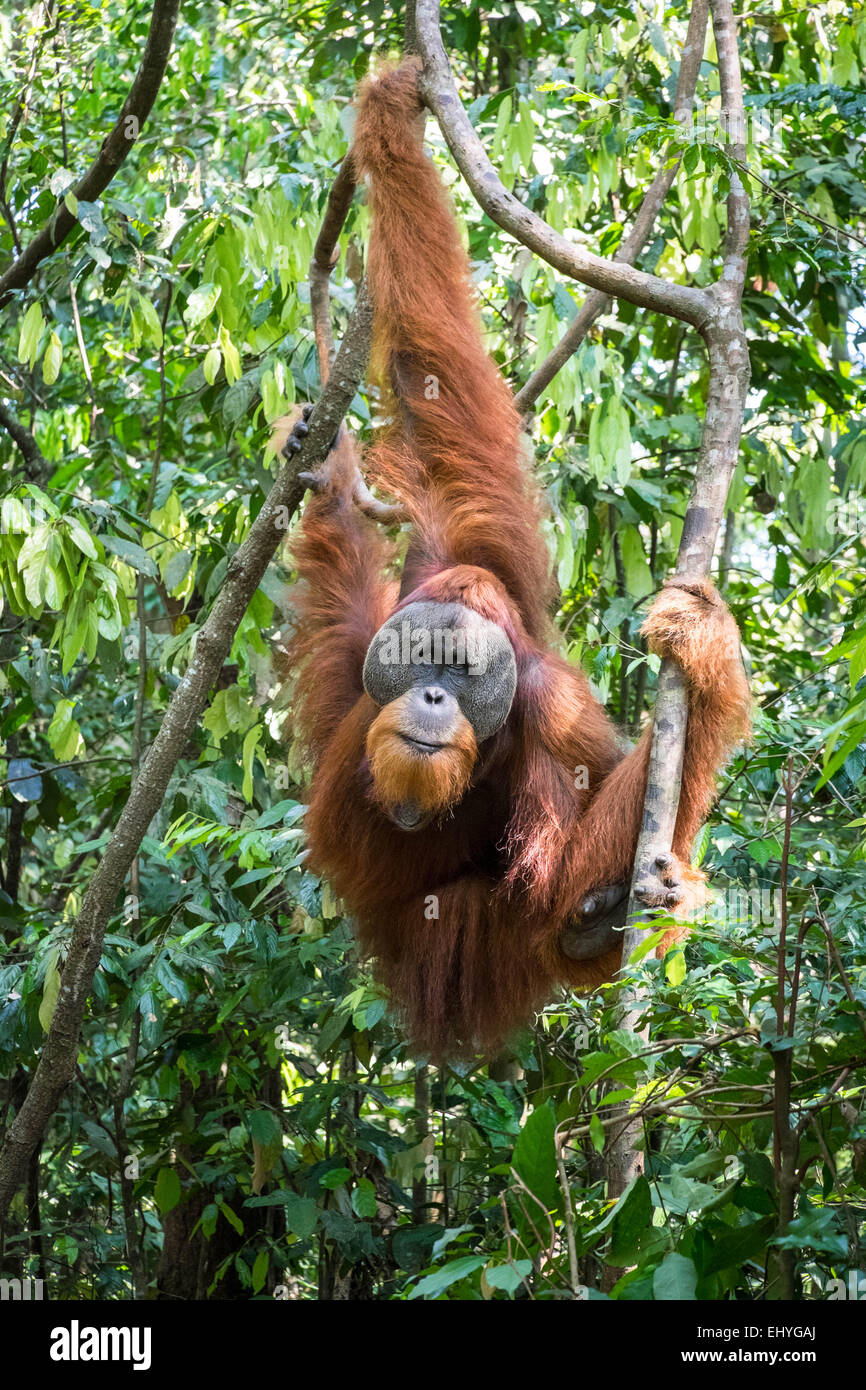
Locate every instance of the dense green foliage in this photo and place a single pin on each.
(245, 1119)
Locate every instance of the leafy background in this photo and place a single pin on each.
(245, 1121)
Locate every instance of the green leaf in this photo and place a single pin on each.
(152, 325)
(762, 851)
(211, 365)
(675, 1279)
(237, 400)
(857, 664)
(209, 1218)
(337, 1177)
(200, 304)
(80, 536)
(170, 980)
(52, 360)
(596, 1134)
(232, 1217)
(629, 1220)
(675, 968)
(535, 1156)
(260, 1270)
(730, 1249)
(63, 733)
(251, 742)
(176, 570)
(508, 1277)
(364, 1203)
(434, 1284)
(302, 1215)
(29, 335)
(132, 555)
(166, 1192)
(231, 358)
(50, 991)
(263, 1126)
(90, 217)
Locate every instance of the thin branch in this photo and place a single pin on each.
(568, 1216)
(82, 353)
(115, 147)
(800, 211)
(436, 86)
(214, 640)
(630, 248)
(859, 1011)
(38, 467)
(326, 253)
(137, 1267)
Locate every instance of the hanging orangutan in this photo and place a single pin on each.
(470, 797)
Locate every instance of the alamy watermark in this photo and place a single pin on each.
(426, 646)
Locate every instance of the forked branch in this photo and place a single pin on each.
(610, 277)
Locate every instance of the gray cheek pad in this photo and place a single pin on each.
(468, 654)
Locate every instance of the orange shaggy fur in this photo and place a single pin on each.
(434, 782)
(463, 918)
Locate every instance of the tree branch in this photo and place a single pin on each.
(326, 253)
(115, 148)
(614, 278)
(631, 246)
(246, 568)
(728, 352)
(39, 469)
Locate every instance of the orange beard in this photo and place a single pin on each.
(401, 773)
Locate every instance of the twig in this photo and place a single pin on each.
(568, 1217)
(82, 352)
(859, 1012)
(127, 1188)
(786, 1144)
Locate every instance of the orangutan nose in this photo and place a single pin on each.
(430, 713)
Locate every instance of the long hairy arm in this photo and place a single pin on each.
(341, 601)
(692, 625)
(453, 452)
